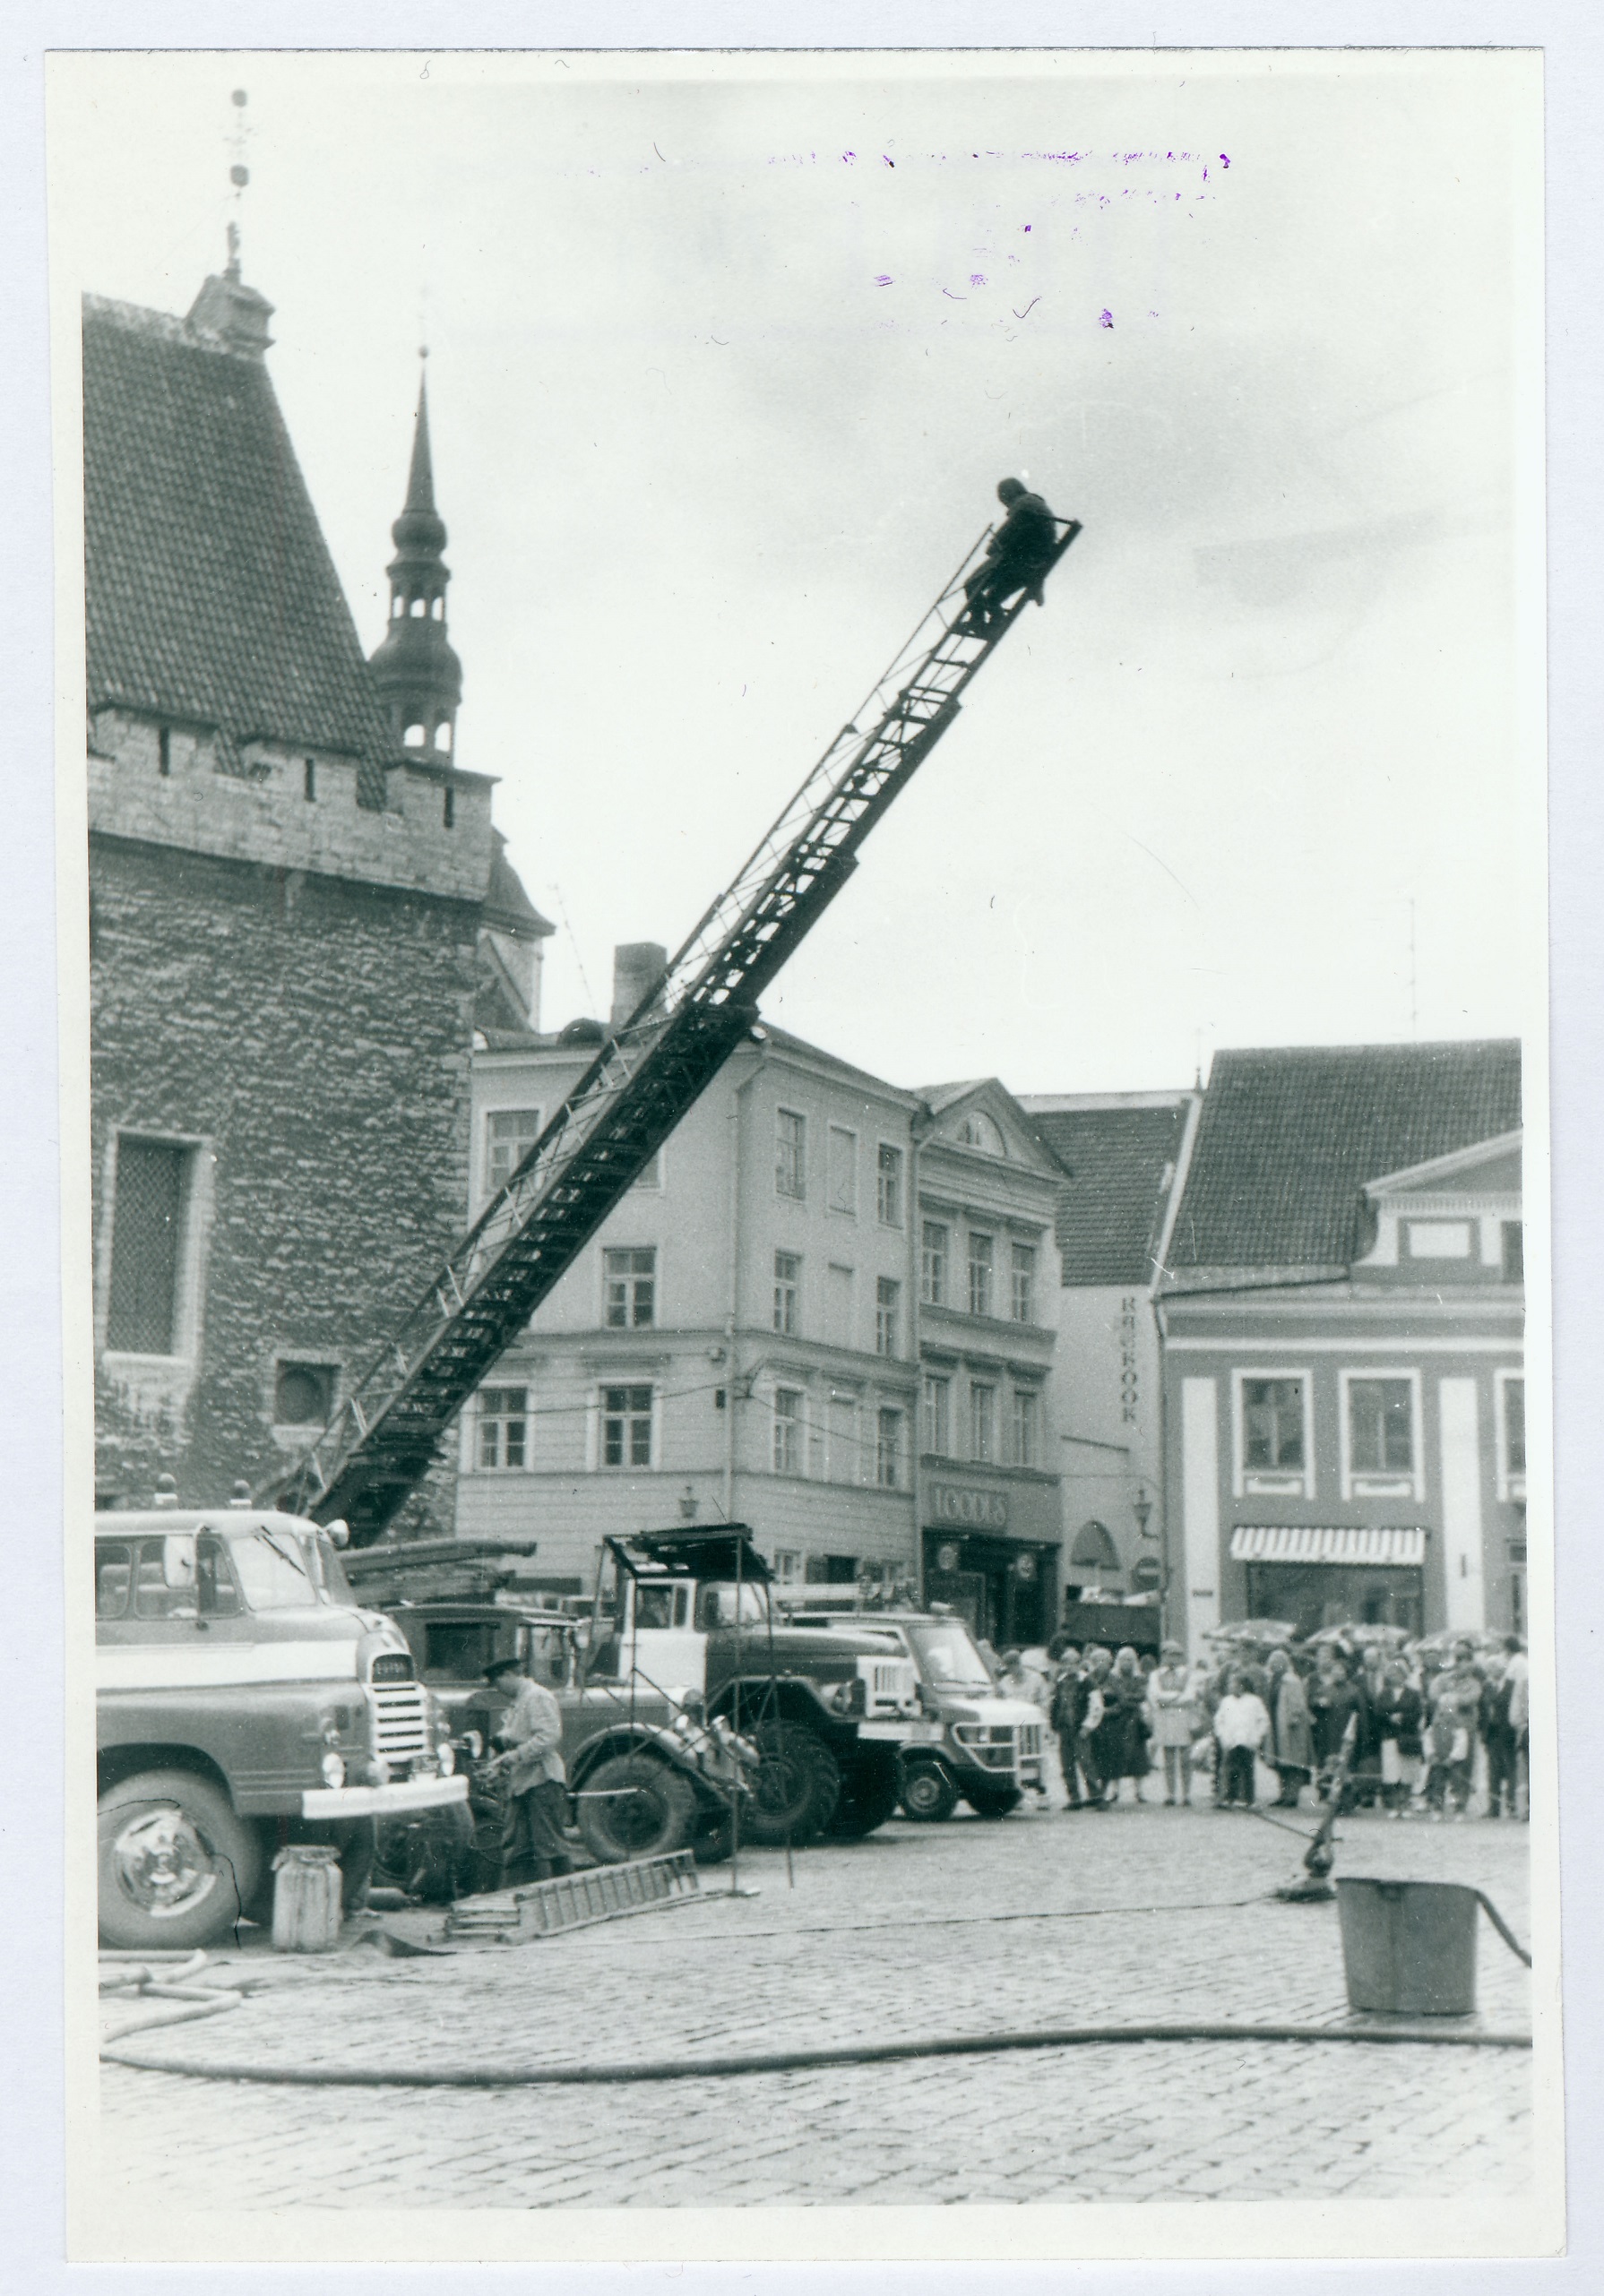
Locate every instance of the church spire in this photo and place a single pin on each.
(419, 677)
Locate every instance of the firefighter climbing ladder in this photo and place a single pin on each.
(387, 1431)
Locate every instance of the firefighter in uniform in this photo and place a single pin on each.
(1017, 556)
(533, 1847)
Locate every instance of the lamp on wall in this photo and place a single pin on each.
(1142, 1507)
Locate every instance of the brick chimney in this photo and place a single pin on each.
(638, 966)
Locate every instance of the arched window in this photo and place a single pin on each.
(418, 607)
(443, 738)
(978, 1131)
(438, 609)
(1094, 1550)
(413, 737)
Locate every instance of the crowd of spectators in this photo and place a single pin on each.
(1409, 1730)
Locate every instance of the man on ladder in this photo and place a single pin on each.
(1017, 557)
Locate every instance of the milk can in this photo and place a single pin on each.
(306, 1898)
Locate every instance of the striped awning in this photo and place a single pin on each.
(1315, 1543)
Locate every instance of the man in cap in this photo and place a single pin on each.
(1017, 556)
(533, 1847)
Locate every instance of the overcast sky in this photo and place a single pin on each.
(724, 370)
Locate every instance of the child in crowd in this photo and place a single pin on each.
(1241, 1725)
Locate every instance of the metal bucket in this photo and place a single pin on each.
(1408, 1947)
(306, 1898)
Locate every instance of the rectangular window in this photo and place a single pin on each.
(147, 1247)
(788, 1282)
(1514, 1425)
(979, 1274)
(788, 1566)
(843, 1170)
(1381, 1427)
(788, 1431)
(1025, 1445)
(888, 1316)
(504, 1426)
(1514, 1252)
(888, 1450)
(1439, 1239)
(509, 1135)
(938, 1415)
(888, 1186)
(1273, 1424)
(933, 1264)
(629, 1279)
(791, 1155)
(982, 1421)
(627, 1426)
(1022, 1269)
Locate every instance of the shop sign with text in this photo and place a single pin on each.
(970, 1510)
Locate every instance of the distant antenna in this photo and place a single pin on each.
(239, 176)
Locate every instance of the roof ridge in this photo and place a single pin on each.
(167, 326)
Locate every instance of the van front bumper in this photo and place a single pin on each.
(382, 1801)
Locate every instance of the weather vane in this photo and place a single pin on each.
(239, 176)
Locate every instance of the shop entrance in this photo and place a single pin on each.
(1313, 1595)
(1006, 1589)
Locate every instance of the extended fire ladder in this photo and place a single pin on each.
(387, 1433)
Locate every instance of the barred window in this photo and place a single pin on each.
(630, 1282)
(627, 1426)
(147, 1246)
(504, 1426)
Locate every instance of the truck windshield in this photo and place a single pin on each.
(716, 1605)
(946, 1655)
(275, 1570)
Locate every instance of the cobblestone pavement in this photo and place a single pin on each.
(967, 1928)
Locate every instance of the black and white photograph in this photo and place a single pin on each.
(679, 1372)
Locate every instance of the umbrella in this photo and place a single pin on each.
(1271, 1632)
(1359, 1635)
(1441, 1644)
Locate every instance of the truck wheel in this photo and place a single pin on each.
(796, 1788)
(868, 1796)
(177, 1866)
(650, 1809)
(994, 1801)
(928, 1794)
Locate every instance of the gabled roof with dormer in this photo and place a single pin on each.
(1489, 1167)
(211, 598)
(949, 1106)
(1289, 1138)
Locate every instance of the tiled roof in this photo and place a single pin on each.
(506, 902)
(1287, 1138)
(1119, 1162)
(212, 597)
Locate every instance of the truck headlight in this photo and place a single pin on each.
(446, 1754)
(334, 1770)
(848, 1697)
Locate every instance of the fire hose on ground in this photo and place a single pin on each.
(131, 1974)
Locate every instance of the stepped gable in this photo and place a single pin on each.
(1287, 1138)
(1120, 1162)
(211, 598)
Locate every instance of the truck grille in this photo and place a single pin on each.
(1030, 1740)
(401, 1725)
(891, 1684)
(1000, 1745)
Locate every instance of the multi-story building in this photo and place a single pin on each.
(990, 1503)
(299, 904)
(1124, 1158)
(770, 1330)
(1342, 1327)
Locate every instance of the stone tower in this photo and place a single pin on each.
(416, 674)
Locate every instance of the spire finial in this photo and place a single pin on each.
(239, 176)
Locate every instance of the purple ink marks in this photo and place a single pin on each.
(976, 279)
(1224, 160)
(1030, 307)
(1027, 226)
(890, 163)
(1106, 319)
(848, 158)
(953, 298)
(882, 279)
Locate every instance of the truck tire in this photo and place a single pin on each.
(796, 1790)
(650, 1809)
(178, 1867)
(929, 1796)
(994, 1801)
(868, 1795)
